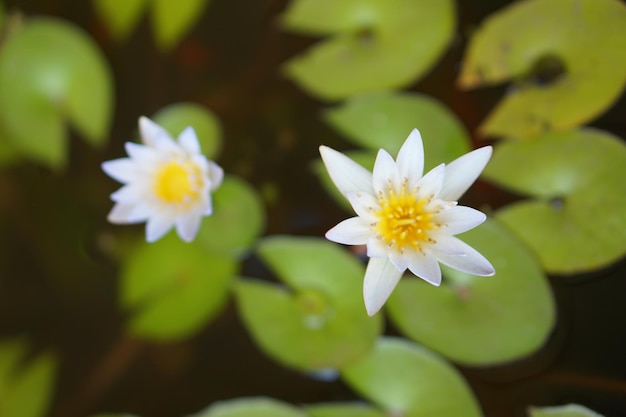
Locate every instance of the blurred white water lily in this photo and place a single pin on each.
(166, 183)
(407, 221)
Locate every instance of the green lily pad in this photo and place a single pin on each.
(569, 410)
(173, 288)
(120, 16)
(250, 407)
(374, 44)
(384, 120)
(51, 72)
(318, 321)
(343, 410)
(176, 117)
(26, 386)
(480, 320)
(409, 380)
(237, 221)
(576, 222)
(584, 38)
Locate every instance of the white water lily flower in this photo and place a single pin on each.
(166, 183)
(408, 221)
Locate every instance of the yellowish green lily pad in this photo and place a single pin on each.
(584, 38)
(317, 320)
(480, 320)
(343, 410)
(120, 16)
(250, 407)
(569, 410)
(409, 380)
(52, 73)
(576, 221)
(373, 44)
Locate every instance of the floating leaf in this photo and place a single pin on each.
(171, 19)
(173, 288)
(121, 16)
(569, 410)
(51, 71)
(250, 407)
(583, 38)
(375, 44)
(237, 221)
(408, 380)
(577, 221)
(343, 410)
(480, 320)
(319, 322)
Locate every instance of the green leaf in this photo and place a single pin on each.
(375, 44)
(342, 410)
(250, 407)
(586, 38)
(176, 117)
(408, 380)
(173, 288)
(569, 410)
(384, 120)
(237, 221)
(51, 71)
(172, 19)
(480, 320)
(576, 222)
(319, 321)
(120, 16)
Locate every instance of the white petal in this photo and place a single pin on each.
(410, 160)
(381, 277)
(122, 214)
(207, 205)
(141, 154)
(463, 171)
(399, 260)
(352, 231)
(472, 262)
(431, 183)
(347, 175)
(446, 245)
(364, 205)
(425, 267)
(460, 219)
(385, 172)
(187, 226)
(141, 212)
(216, 175)
(122, 169)
(152, 134)
(376, 248)
(189, 141)
(129, 193)
(157, 226)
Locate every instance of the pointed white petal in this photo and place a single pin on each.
(472, 262)
(141, 154)
(122, 214)
(130, 194)
(381, 277)
(206, 206)
(376, 248)
(187, 226)
(425, 267)
(460, 219)
(122, 169)
(216, 175)
(410, 160)
(463, 171)
(352, 231)
(157, 226)
(141, 212)
(347, 175)
(151, 133)
(189, 141)
(385, 173)
(431, 183)
(399, 260)
(446, 245)
(364, 205)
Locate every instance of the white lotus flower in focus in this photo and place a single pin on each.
(166, 183)
(408, 221)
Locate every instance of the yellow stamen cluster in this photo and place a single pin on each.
(178, 182)
(405, 218)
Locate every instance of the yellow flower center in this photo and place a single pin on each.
(404, 219)
(178, 182)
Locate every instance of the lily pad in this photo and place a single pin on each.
(577, 220)
(385, 119)
(121, 16)
(318, 321)
(569, 410)
(51, 72)
(250, 407)
(409, 380)
(584, 39)
(374, 44)
(343, 410)
(172, 288)
(480, 320)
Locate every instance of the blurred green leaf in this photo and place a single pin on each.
(569, 410)
(8, 151)
(173, 288)
(120, 16)
(172, 19)
(51, 71)
(577, 221)
(480, 320)
(237, 221)
(176, 117)
(384, 120)
(316, 323)
(250, 407)
(375, 44)
(408, 380)
(587, 37)
(343, 410)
